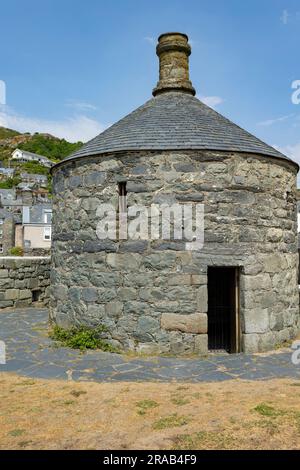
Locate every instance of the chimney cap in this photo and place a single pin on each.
(173, 33)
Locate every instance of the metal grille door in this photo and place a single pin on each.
(221, 308)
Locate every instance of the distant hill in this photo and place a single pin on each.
(44, 144)
(7, 133)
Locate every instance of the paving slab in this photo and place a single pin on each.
(31, 353)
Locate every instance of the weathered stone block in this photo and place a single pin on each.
(89, 294)
(114, 309)
(94, 246)
(198, 279)
(60, 292)
(25, 294)
(201, 344)
(146, 327)
(259, 282)
(193, 323)
(274, 235)
(133, 246)
(127, 293)
(94, 179)
(12, 294)
(202, 298)
(179, 279)
(6, 303)
(256, 320)
(250, 343)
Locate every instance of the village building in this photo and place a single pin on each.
(25, 222)
(238, 290)
(36, 227)
(40, 180)
(24, 156)
(7, 172)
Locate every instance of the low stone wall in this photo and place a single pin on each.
(24, 281)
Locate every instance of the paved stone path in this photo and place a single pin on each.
(31, 353)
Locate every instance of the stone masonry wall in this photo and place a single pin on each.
(24, 281)
(152, 295)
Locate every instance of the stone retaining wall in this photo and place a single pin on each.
(24, 281)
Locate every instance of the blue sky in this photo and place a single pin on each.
(72, 68)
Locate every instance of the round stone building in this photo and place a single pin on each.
(238, 290)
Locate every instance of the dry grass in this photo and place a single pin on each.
(40, 414)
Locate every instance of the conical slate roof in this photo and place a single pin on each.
(175, 121)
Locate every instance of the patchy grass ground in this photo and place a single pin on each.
(40, 414)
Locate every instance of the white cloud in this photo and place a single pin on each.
(211, 101)
(149, 39)
(292, 151)
(270, 122)
(73, 128)
(80, 105)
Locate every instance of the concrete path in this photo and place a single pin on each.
(29, 352)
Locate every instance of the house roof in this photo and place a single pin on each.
(36, 213)
(5, 214)
(175, 121)
(8, 193)
(33, 154)
(35, 176)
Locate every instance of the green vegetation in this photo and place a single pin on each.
(145, 405)
(82, 338)
(7, 133)
(31, 167)
(23, 444)
(10, 183)
(25, 383)
(179, 401)
(267, 410)
(272, 413)
(204, 440)
(43, 144)
(77, 393)
(16, 251)
(51, 147)
(16, 432)
(170, 421)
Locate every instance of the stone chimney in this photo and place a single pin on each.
(173, 51)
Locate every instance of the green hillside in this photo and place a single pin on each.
(53, 148)
(43, 144)
(7, 133)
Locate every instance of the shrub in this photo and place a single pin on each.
(10, 183)
(82, 338)
(16, 251)
(170, 421)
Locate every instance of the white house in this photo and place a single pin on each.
(24, 156)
